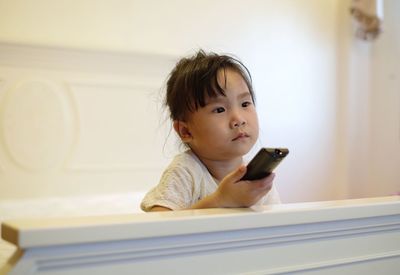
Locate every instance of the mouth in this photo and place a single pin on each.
(241, 136)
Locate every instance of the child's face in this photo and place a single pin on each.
(227, 127)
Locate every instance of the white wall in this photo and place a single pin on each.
(292, 49)
(373, 111)
(385, 107)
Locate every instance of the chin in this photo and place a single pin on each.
(223, 153)
(239, 152)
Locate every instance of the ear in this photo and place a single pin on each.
(182, 130)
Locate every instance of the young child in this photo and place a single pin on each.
(211, 102)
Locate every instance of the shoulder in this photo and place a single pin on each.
(187, 158)
(186, 163)
(179, 183)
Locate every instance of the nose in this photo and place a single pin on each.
(237, 120)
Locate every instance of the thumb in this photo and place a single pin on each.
(237, 174)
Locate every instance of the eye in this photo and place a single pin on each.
(219, 110)
(246, 104)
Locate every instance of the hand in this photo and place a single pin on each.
(232, 192)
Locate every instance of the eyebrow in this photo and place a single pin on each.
(244, 95)
(221, 98)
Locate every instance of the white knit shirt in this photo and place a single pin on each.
(186, 181)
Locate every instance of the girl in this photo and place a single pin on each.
(211, 102)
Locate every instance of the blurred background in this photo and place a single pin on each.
(81, 86)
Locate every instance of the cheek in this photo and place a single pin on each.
(200, 129)
(254, 118)
(209, 130)
(254, 125)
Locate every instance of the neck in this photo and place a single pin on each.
(220, 168)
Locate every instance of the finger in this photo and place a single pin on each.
(271, 176)
(237, 174)
(265, 182)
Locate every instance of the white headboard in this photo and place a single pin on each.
(76, 122)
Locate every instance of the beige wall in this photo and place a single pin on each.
(308, 74)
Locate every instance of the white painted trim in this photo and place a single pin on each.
(329, 264)
(68, 59)
(350, 235)
(81, 156)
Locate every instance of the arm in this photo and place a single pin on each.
(159, 208)
(232, 192)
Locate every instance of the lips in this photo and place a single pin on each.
(241, 136)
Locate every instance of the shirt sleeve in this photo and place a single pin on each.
(174, 191)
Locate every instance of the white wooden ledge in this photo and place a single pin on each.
(337, 237)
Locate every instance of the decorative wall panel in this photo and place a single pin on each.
(37, 121)
(80, 122)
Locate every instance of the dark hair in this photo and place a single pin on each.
(195, 78)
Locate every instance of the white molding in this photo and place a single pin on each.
(330, 264)
(113, 86)
(100, 152)
(72, 59)
(309, 237)
(27, 159)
